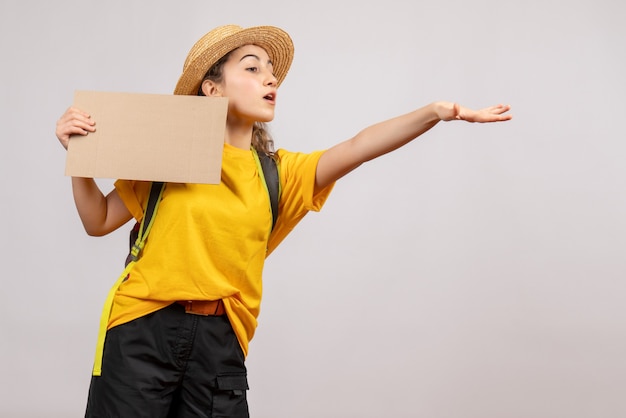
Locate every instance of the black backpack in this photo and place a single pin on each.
(139, 232)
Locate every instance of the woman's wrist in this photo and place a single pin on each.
(445, 111)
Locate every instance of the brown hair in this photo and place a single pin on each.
(261, 139)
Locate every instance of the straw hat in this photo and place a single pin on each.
(220, 41)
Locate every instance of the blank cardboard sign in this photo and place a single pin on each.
(149, 137)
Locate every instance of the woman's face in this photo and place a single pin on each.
(249, 83)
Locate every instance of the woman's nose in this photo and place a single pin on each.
(271, 79)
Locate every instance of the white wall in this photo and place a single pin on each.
(478, 272)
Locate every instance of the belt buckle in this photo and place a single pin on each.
(204, 308)
(189, 309)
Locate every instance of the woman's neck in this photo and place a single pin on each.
(239, 136)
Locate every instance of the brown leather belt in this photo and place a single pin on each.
(204, 307)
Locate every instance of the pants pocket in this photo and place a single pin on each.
(230, 398)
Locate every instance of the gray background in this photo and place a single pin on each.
(477, 272)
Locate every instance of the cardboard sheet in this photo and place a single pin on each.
(149, 137)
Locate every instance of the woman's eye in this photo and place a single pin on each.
(252, 69)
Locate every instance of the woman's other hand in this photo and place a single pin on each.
(453, 111)
(73, 122)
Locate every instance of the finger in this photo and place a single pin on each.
(76, 122)
(89, 126)
(77, 111)
(502, 113)
(64, 131)
(499, 109)
(498, 117)
(80, 130)
(496, 113)
(76, 115)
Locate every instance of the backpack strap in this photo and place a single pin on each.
(271, 179)
(140, 232)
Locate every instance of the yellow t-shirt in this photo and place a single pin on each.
(210, 242)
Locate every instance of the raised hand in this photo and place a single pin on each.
(454, 111)
(73, 122)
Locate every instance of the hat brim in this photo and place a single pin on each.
(275, 41)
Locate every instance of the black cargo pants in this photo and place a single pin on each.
(170, 364)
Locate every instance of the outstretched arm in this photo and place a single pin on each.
(100, 214)
(384, 137)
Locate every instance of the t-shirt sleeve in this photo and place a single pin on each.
(298, 194)
(134, 194)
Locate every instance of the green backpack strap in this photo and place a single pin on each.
(140, 231)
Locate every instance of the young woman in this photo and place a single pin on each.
(180, 323)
